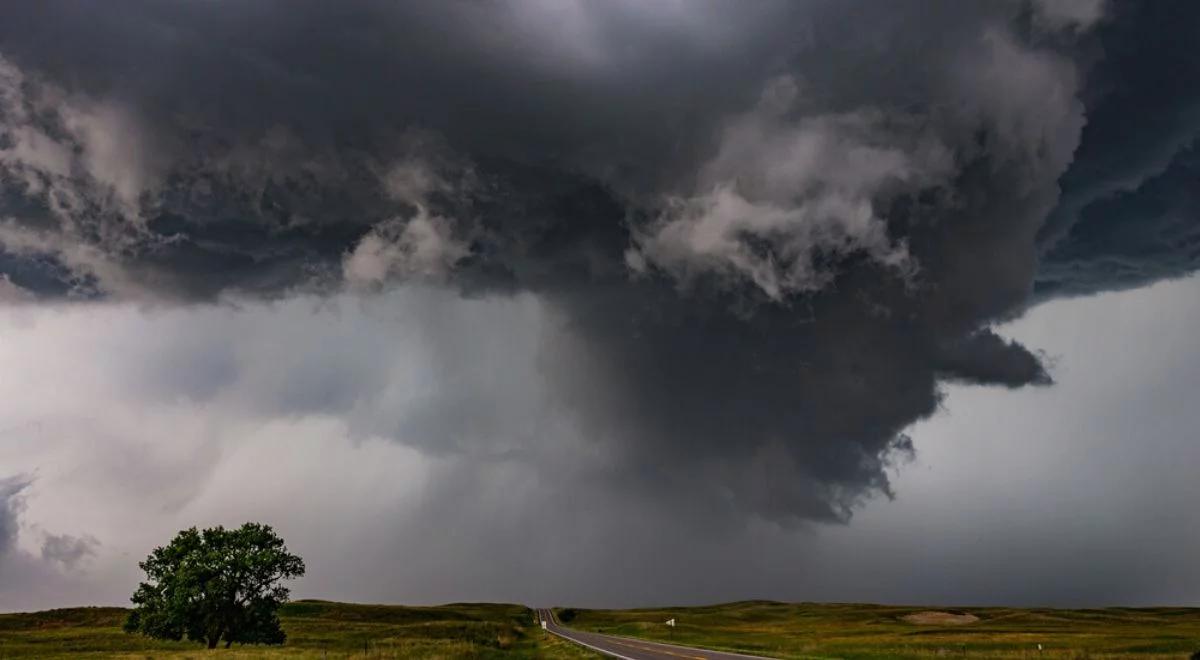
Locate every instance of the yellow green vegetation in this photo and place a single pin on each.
(804, 630)
(315, 629)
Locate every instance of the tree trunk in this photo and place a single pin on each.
(228, 642)
(215, 637)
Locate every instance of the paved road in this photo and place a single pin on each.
(632, 649)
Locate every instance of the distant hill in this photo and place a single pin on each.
(813, 630)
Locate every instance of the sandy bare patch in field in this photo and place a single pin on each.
(939, 618)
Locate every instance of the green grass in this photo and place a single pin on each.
(325, 630)
(315, 629)
(807, 630)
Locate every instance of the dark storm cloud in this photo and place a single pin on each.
(10, 511)
(988, 357)
(1129, 212)
(769, 232)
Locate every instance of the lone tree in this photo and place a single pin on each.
(218, 584)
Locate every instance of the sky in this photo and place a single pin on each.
(604, 304)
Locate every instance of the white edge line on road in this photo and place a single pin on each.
(594, 648)
(585, 644)
(636, 639)
(688, 648)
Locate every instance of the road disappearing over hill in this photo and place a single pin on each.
(629, 648)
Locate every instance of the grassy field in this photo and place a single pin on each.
(315, 629)
(319, 629)
(874, 631)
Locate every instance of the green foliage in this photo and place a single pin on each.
(567, 615)
(215, 585)
(316, 630)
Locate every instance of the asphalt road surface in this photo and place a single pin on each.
(632, 649)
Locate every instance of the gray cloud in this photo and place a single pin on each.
(758, 268)
(1070, 14)
(10, 511)
(1128, 216)
(26, 579)
(1077, 494)
(68, 551)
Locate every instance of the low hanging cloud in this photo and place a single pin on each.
(767, 235)
(1068, 14)
(24, 576)
(419, 247)
(10, 511)
(68, 551)
(786, 195)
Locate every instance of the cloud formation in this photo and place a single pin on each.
(10, 511)
(26, 578)
(66, 550)
(766, 236)
(785, 196)
(494, 492)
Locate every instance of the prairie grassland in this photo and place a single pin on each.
(316, 630)
(804, 630)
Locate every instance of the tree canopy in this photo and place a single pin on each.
(216, 585)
